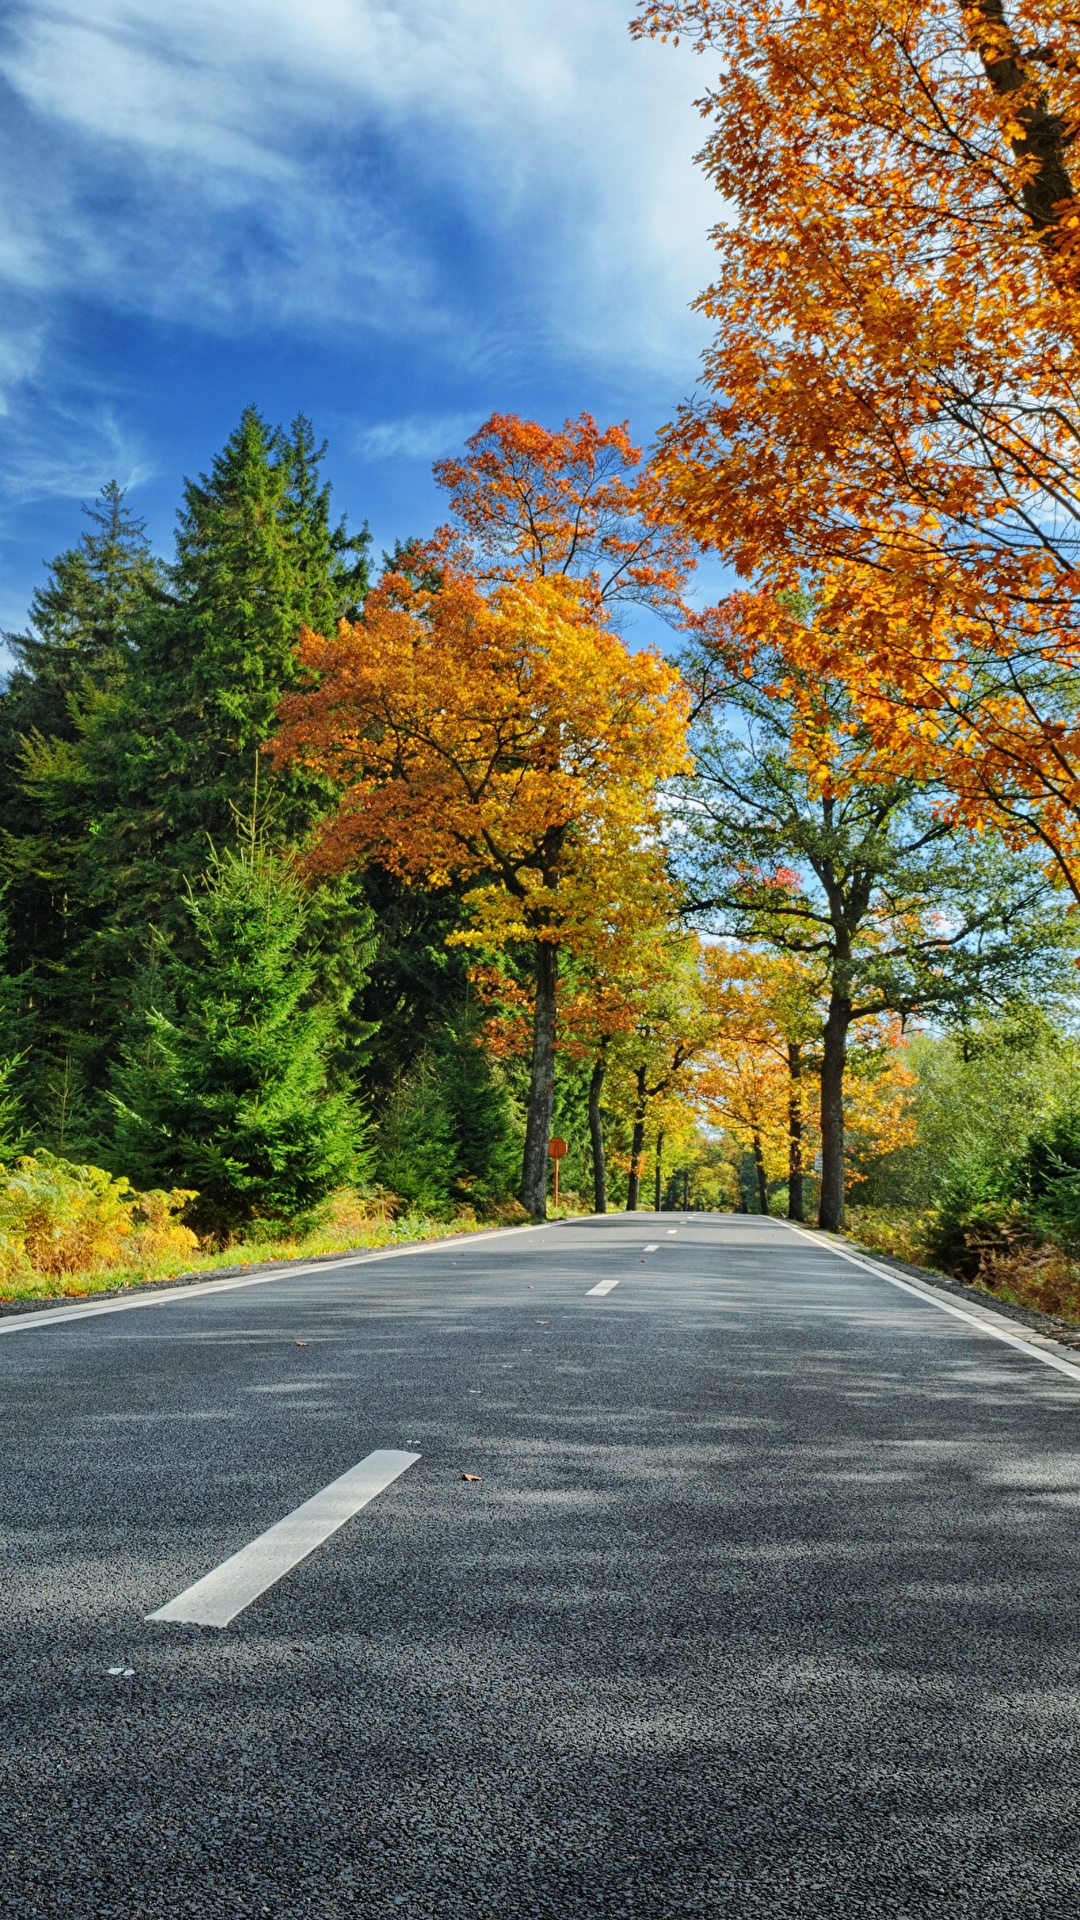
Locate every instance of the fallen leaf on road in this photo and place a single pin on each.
(300, 1343)
(543, 1323)
(472, 1476)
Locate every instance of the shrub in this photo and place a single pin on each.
(977, 1214)
(57, 1217)
(899, 1231)
(1039, 1277)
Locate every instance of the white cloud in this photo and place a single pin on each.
(324, 163)
(416, 437)
(20, 356)
(71, 456)
(109, 87)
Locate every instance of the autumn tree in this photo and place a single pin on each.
(890, 404)
(572, 503)
(526, 502)
(867, 881)
(759, 1070)
(654, 1058)
(756, 1077)
(653, 1023)
(501, 736)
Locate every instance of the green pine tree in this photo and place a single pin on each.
(487, 1121)
(257, 558)
(69, 667)
(230, 1087)
(416, 1141)
(15, 1046)
(450, 1132)
(133, 730)
(77, 633)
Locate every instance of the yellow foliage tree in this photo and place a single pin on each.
(770, 1013)
(651, 1057)
(502, 736)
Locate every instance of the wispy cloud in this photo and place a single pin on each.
(416, 437)
(323, 162)
(71, 457)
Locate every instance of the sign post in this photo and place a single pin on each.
(556, 1149)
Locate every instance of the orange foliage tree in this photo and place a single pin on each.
(499, 735)
(769, 1012)
(892, 411)
(571, 503)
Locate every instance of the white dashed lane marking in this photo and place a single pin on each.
(604, 1286)
(653, 1248)
(219, 1596)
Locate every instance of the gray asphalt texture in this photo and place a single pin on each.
(765, 1604)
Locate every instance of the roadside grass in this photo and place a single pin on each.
(1041, 1277)
(349, 1224)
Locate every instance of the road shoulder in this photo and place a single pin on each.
(1039, 1330)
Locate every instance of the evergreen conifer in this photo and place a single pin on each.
(257, 558)
(229, 1088)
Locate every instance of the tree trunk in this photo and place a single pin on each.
(534, 1171)
(637, 1143)
(596, 1136)
(834, 1060)
(795, 1204)
(1039, 139)
(659, 1158)
(759, 1169)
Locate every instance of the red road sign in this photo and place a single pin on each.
(557, 1148)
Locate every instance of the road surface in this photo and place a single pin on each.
(765, 1601)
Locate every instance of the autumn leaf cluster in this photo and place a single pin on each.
(892, 414)
(503, 737)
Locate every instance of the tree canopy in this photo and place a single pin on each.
(890, 408)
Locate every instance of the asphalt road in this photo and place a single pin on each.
(765, 1603)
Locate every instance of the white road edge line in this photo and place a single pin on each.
(219, 1596)
(603, 1286)
(958, 1313)
(37, 1321)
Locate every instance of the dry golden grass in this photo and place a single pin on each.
(1040, 1277)
(351, 1221)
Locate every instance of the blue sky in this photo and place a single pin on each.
(393, 215)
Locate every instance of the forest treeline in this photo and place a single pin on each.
(325, 875)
